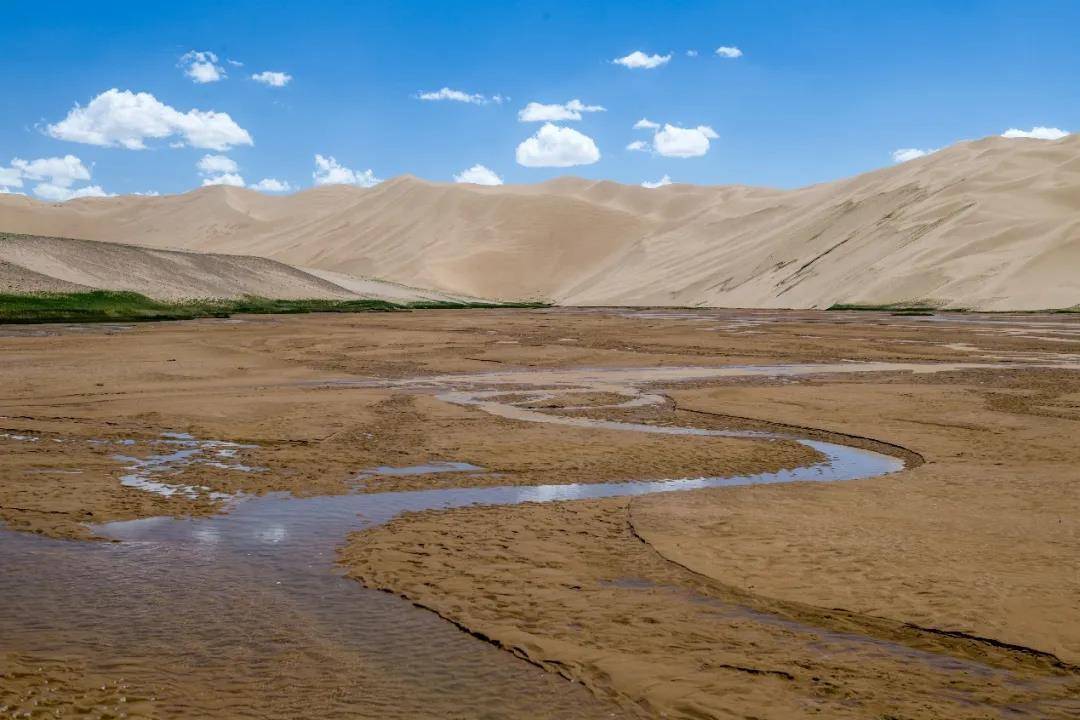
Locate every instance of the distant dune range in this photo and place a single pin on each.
(992, 224)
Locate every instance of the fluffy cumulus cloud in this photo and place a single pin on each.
(659, 183)
(56, 193)
(728, 51)
(121, 118)
(555, 146)
(211, 164)
(219, 170)
(904, 154)
(230, 179)
(329, 171)
(63, 171)
(1038, 133)
(10, 177)
(672, 141)
(478, 175)
(223, 170)
(272, 78)
(271, 185)
(54, 178)
(202, 67)
(638, 60)
(538, 112)
(459, 96)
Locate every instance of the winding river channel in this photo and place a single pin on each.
(250, 602)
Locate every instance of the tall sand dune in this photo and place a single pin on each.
(48, 264)
(992, 224)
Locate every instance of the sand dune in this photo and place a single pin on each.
(46, 264)
(992, 224)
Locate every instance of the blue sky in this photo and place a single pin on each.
(821, 90)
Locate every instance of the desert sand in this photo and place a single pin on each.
(46, 264)
(987, 224)
(943, 590)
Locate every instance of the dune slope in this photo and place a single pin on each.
(48, 264)
(992, 224)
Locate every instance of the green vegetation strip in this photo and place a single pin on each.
(893, 307)
(917, 309)
(109, 306)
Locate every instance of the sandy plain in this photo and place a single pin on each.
(946, 590)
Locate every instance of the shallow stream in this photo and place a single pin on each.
(246, 614)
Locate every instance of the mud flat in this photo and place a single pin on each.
(231, 459)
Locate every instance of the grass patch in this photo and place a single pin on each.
(904, 308)
(113, 306)
(916, 309)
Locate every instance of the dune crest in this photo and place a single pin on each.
(992, 224)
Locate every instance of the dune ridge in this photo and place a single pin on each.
(992, 224)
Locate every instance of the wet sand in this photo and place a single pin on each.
(357, 405)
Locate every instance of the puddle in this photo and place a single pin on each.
(359, 480)
(429, 469)
(19, 438)
(149, 473)
(146, 473)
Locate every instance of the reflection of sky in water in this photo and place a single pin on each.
(206, 534)
(271, 534)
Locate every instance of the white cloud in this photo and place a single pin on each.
(1038, 133)
(219, 170)
(272, 185)
(904, 154)
(271, 78)
(62, 172)
(127, 119)
(59, 193)
(202, 67)
(691, 53)
(10, 177)
(638, 146)
(231, 179)
(235, 63)
(659, 183)
(329, 171)
(538, 112)
(554, 146)
(639, 60)
(222, 170)
(478, 175)
(54, 176)
(460, 96)
(646, 124)
(679, 142)
(210, 164)
(727, 51)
